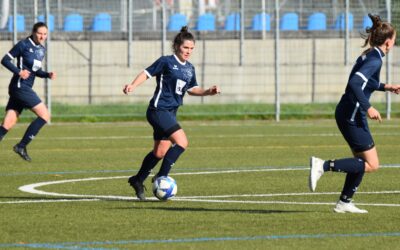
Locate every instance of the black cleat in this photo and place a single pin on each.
(138, 187)
(21, 151)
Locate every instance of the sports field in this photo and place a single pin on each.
(241, 185)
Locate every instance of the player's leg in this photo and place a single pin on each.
(10, 119)
(152, 158)
(180, 143)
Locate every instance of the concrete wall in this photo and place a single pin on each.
(218, 63)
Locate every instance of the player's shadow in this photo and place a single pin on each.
(232, 210)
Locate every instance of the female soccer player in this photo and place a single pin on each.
(29, 54)
(175, 76)
(351, 116)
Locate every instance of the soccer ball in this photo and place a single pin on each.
(164, 188)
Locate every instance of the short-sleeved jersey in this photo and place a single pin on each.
(29, 56)
(173, 78)
(363, 81)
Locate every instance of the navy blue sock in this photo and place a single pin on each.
(353, 181)
(170, 158)
(149, 162)
(3, 132)
(347, 165)
(32, 131)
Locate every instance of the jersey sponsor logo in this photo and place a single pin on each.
(175, 67)
(31, 50)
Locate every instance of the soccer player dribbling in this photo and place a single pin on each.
(351, 116)
(175, 76)
(29, 53)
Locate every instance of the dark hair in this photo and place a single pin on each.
(38, 25)
(378, 33)
(181, 37)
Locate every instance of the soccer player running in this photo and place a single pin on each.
(351, 116)
(29, 53)
(175, 76)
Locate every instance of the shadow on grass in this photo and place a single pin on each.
(202, 209)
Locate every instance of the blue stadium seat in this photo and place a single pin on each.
(176, 21)
(340, 23)
(73, 22)
(256, 23)
(102, 22)
(317, 21)
(232, 22)
(206, 22)
(366, 22)
(289, 21)
(41, 18)
(20, 23)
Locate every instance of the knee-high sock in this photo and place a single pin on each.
(353, 181)
(347, 165)
(170, 158)
(149, 162)
(355, 169)
(32, 131)
(3, 132)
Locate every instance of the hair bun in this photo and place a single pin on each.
(184, 29)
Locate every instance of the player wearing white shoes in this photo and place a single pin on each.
(351, 116)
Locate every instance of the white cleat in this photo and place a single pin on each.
(316, 171)
(343, 207)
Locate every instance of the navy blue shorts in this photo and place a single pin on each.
(163, 122)
(23, 98)
(356, 132)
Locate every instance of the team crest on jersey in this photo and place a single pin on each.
(187, 74)
(39, 53)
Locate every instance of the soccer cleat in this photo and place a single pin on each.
(316, 171)
(21, 151)
(343, 207)
(138, 187)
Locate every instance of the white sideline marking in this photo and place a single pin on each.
(32, 188)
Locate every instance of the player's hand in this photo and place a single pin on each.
(214, 90)
(374, 114)
(24, 74)
(394, 88)
(128, 88)
(52, 75)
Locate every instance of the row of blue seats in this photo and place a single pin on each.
(206, 22)
(72, 22)
(288, 21)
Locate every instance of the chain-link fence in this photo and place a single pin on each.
(97, 46)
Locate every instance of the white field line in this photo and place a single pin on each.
(65, 138)
(32, 188)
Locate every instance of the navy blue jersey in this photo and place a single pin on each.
(29, 56)
(173, 78)
(363, 81)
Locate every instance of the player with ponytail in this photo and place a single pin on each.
(351, 116)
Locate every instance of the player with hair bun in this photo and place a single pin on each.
(175, 76)
(351, 116)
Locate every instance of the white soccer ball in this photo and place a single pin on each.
(164, 188)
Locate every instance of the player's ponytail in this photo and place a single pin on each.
(377, 34)
(181, 37)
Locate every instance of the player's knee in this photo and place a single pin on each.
(372, 167)
(160, 153)
(183, 144)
